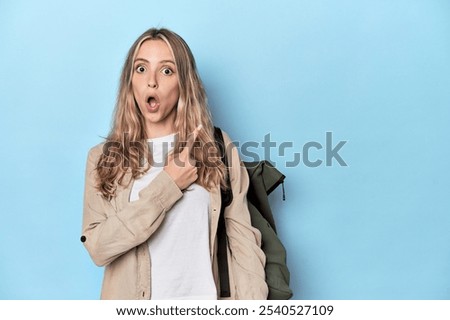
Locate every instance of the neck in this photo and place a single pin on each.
(156, 130)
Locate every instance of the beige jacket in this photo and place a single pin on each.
(115, 233)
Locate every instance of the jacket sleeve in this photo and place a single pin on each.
(110, 230)
(247, 258)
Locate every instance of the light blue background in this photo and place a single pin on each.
(375, 73)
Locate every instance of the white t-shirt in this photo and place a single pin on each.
(179, 249)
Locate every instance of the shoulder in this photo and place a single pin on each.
(234, 160)
(96, 151)
(226, 139)
(231, 149)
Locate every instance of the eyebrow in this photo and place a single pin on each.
(146, 61)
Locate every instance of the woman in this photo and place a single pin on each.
(152, 195)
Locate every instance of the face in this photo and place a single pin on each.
(155, 86)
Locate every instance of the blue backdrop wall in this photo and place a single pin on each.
(375, 74)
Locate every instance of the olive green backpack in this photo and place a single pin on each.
(264, 178)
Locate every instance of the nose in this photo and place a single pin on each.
(152, 83)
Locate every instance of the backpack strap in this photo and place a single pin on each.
(227, 197)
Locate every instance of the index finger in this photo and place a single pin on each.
(192, 137)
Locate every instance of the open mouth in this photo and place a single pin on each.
(152, 103)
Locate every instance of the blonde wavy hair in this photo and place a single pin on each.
(126, 148)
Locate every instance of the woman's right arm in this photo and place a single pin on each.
(109, 232)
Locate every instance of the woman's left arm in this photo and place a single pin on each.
(247, 258)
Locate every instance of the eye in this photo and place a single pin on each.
(140, 69)
(167, 71)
